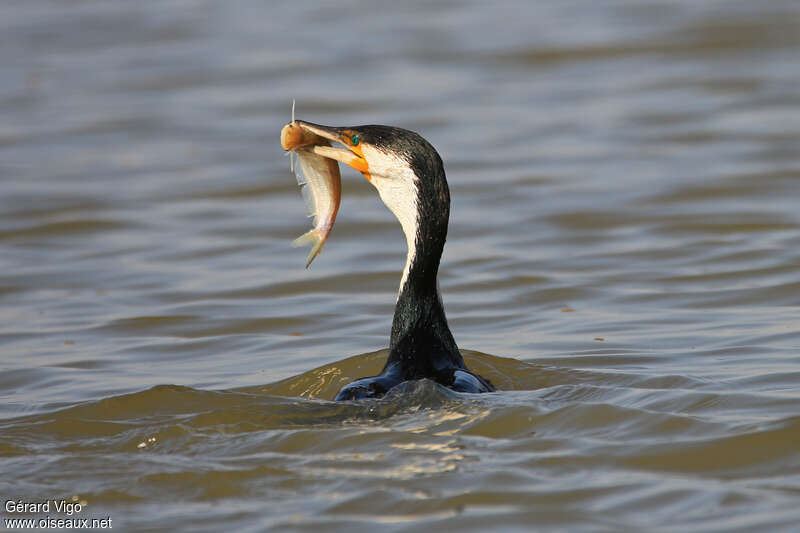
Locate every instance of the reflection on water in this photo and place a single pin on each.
(624, 239)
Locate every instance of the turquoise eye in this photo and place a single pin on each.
(355, 140)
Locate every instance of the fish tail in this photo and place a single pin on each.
(314, 238)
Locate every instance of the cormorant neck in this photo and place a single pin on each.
(421, 340)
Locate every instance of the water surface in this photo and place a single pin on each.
(622, 263)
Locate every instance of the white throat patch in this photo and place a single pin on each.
(397, 187)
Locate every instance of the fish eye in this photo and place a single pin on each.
(354, 139)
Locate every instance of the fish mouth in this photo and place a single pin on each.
(309, 134)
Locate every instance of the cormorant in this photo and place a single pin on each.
(409, 176)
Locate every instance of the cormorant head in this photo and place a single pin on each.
(405, 169)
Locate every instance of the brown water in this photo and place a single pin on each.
(625, 243)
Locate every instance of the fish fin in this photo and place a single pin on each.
(314, 238)
(292, 155)
(308, 198)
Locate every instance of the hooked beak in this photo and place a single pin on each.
(301, 133)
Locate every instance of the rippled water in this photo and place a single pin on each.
(624, 242)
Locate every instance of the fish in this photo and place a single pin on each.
(320, 182)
